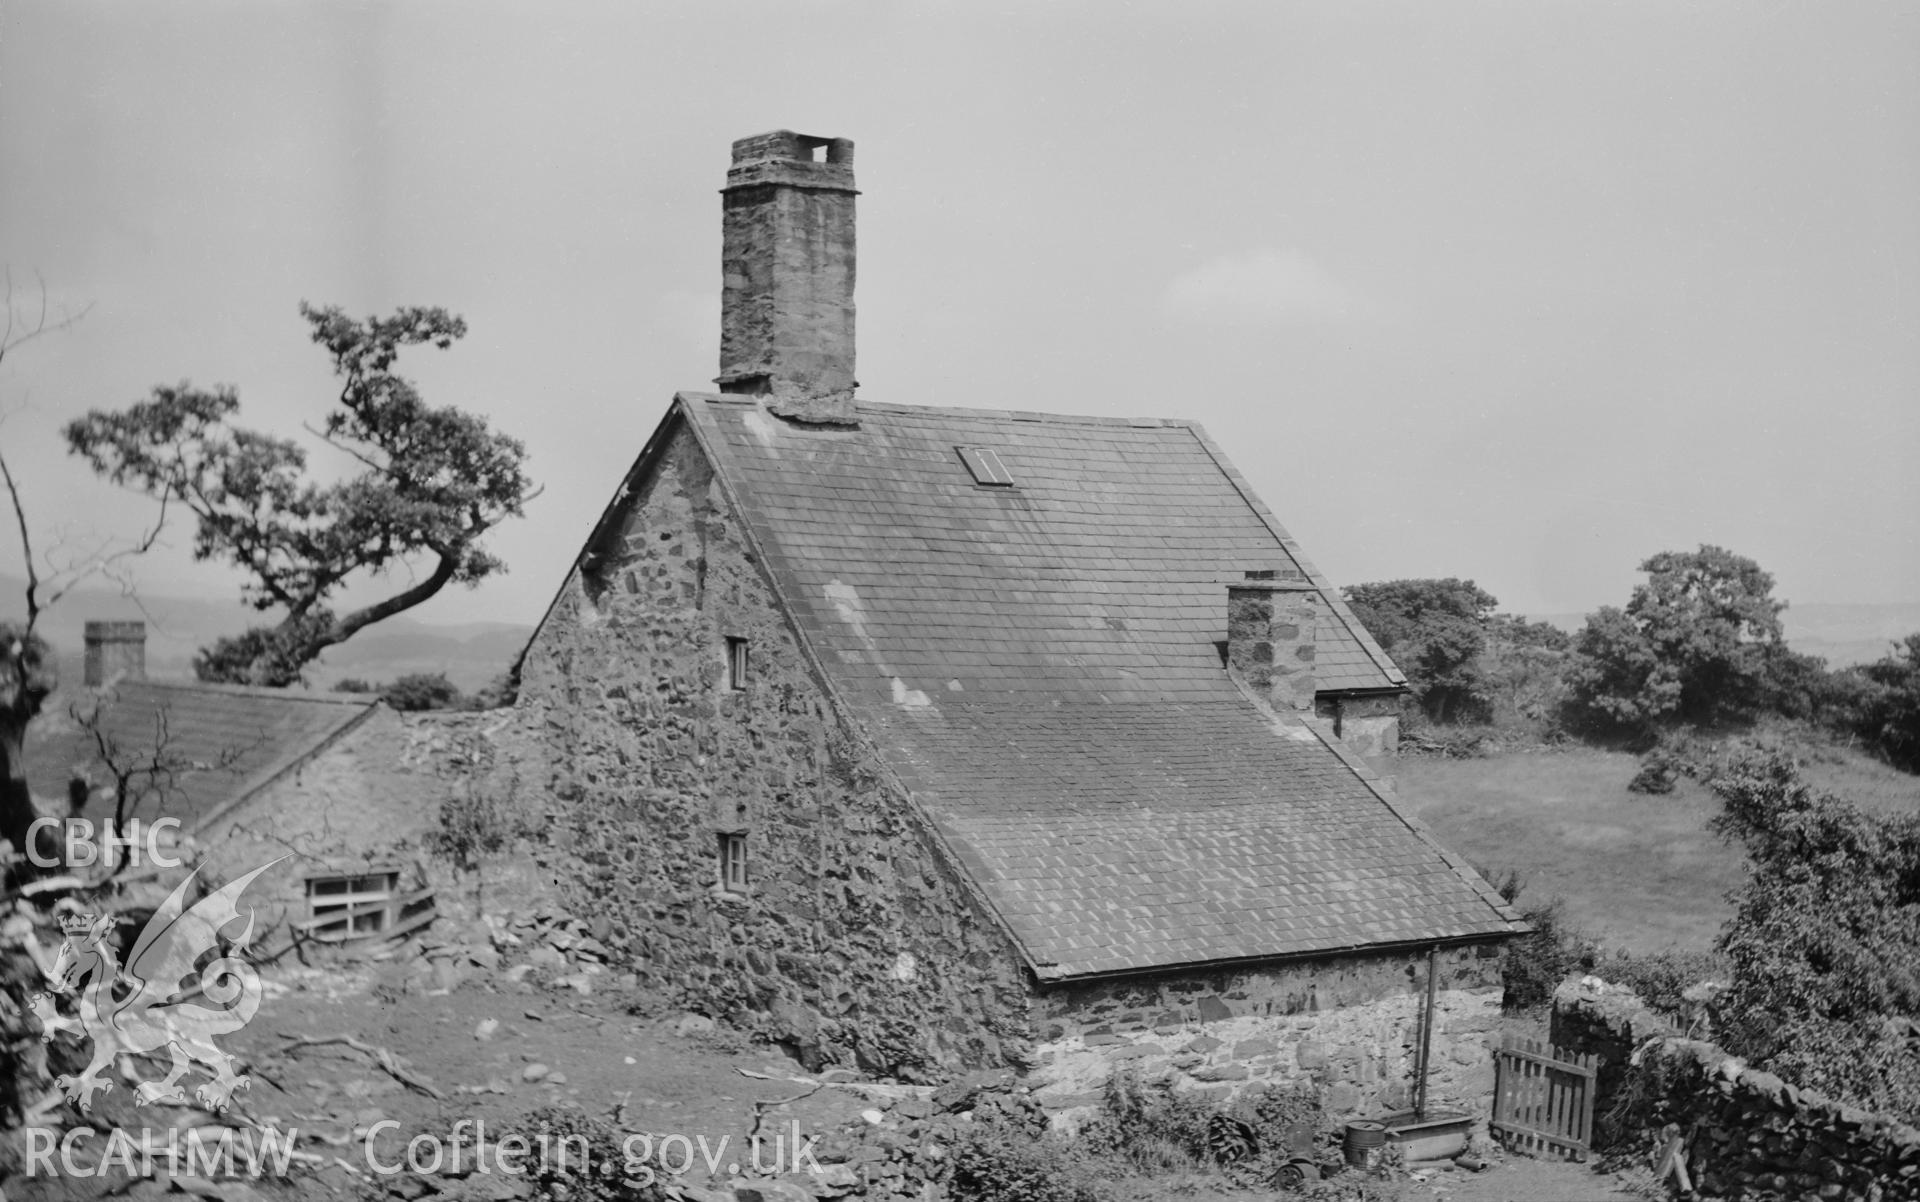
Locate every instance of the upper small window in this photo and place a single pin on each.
(737, 663)
(733, 862)
(986, 467)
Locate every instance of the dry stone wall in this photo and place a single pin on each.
(853, 942)
(1350, 1025)
(1751, 1135)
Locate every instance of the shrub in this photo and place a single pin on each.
(1000, 1162)
(353, 684)
(1538, 961)
(1882, 703)
(1669, 981)
(1149, 1127)
(1280, 1112)
(1659, 773)
(422, 691)
(1824, 945)
(1550, 953)
(481, 812)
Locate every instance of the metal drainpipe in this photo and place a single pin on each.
(1426, 1032)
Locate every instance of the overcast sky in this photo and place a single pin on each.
(1516, 292)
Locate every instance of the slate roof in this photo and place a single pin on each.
(226, 741)
(1039, 665)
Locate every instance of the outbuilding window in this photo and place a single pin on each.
(352, 905)
(738, 663)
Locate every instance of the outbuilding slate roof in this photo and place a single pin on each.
(1039, 664)
(222, 742)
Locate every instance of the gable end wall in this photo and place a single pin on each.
(853, 944)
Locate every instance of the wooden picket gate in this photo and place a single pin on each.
(1543, 1098)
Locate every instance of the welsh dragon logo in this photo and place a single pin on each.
(142, 1008)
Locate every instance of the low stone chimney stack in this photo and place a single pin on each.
(1271, 619)
(787, 266)
(116, 651)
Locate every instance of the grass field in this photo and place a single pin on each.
(1641, 873)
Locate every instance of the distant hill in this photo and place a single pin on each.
(1842, 635)
(1850, 634)
(471, 653)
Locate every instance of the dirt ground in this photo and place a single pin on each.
(502, 1048)
(497, 1053)
(501, 1054)
(1520, 1179)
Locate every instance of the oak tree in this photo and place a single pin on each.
(1698, 642)
(433, 481)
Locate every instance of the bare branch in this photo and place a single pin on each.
(40, 327)
(152, 770)
(20, 515)
(60, 581)
(99, 562)
(381, 1056)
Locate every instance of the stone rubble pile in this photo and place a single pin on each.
(508, 947)
(904, 1150)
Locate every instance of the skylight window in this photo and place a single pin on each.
(986, 467)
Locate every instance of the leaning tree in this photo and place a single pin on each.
(432, 482)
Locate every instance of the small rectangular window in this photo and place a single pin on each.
(733, 862)
(985, 466)
(737, 663)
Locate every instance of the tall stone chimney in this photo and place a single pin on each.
(787, 262)
(1270, 632)
(115, 651)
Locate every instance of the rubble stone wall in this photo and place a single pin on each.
(853, 942)
(1349, 1024)
(1752, 1135)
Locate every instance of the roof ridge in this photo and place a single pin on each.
(355, 700)
(1013, 415)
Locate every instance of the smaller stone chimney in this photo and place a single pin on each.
(1271, 619)
(787, 272)
(115, 651)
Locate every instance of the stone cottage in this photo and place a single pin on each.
(921, 738)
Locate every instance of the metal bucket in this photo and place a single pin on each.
(1365, 1144)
